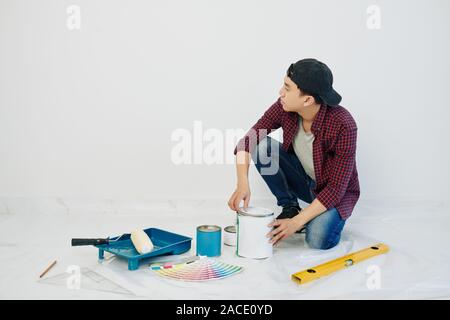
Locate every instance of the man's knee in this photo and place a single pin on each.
(324, 231)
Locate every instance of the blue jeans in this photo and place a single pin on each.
(288, 181)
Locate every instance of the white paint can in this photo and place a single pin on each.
(252, 230)
(229, 236)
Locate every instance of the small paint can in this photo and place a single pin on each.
(209, 240)
(252, 230)
(229, 236)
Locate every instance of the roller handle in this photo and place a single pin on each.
(89, 242)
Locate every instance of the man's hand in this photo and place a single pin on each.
(242, 192)
(285, 228)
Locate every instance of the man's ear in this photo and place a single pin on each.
(309, 100)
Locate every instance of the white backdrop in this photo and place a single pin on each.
(90, 112)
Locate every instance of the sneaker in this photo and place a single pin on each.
(302, 230)
(289, 212)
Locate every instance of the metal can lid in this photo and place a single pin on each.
(255, 212)
(208, 228)
(230, 229)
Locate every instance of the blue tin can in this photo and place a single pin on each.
(209, 240)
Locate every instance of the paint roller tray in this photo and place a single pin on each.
(164, 242)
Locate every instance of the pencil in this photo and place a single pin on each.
(48, 268)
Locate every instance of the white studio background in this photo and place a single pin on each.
(89, 112)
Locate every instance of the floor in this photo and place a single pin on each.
(34, 232)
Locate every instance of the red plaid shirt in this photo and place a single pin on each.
(334, 151)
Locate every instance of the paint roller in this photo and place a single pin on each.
(139, 238)
(141, 241)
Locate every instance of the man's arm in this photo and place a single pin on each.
(242, 166)
(242, 191)
(287, 227)
(270, 121)
(341, 168)
(316, 208)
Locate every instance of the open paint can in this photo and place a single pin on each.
(229, 236)
(252, 230)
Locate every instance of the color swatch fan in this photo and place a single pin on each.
(204, 269)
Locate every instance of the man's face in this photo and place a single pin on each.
(292, 99)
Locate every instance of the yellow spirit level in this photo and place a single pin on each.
(339, 263)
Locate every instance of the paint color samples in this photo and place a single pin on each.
(205, 269)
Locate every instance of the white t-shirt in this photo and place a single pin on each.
(303, 146)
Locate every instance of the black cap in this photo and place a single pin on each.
(315, 78)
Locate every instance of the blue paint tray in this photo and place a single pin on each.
(164, 242)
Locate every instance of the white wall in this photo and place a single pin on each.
(90, 112)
